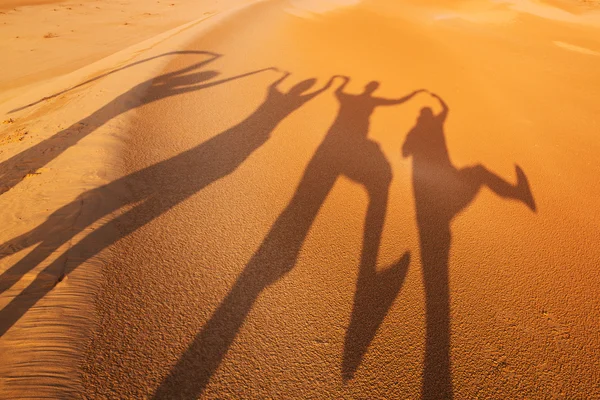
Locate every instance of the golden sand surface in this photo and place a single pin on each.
(60, 137)
(320, 199)
(46, 39)
(9, 4)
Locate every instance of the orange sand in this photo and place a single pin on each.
(231, 228)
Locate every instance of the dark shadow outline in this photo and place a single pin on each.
(441, 192)
(346, 151)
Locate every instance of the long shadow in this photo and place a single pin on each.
(154, 190)
(113, 71)
(441, 192)
(16, 168)
(347, 151)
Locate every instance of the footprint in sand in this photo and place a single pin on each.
(559, 330)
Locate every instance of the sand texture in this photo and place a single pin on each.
(311, 199)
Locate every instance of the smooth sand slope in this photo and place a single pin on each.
(42, 39)
(347, 199)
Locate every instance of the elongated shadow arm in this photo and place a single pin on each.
(340, 90)
(215, 83)
(273, 86)
(391, 102)
(319, 91)
(195, 66)
(444, 113)
(172, 53)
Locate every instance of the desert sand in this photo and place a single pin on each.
(302, 199)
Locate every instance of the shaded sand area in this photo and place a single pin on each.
(314, 199)
(59, 138)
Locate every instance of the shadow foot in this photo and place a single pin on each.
(524, 190)
(374, 297)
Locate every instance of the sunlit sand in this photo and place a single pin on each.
(299, 199)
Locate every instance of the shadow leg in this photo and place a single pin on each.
(58, 229)
(375, 292)
(435, 248)
(274, 258)
(87, 247)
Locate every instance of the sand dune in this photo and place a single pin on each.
(300, 199)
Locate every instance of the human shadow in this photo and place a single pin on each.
(345, 151)
(441, 192)
(113, 71)
(152, 191)
(16, 168)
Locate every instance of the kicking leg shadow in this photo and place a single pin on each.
(441, 193)
(478, 176)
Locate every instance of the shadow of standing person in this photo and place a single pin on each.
(441, 192)
(346, 150)
(153, 191)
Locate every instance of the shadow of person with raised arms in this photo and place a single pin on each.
(114, 71)
(156, 188)
(14, 169)
(441, 192)
(347, 151)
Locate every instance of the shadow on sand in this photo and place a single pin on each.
(153, 190)
(14, 169)
(441, 192)
(345, 151)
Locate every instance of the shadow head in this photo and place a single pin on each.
(426, 114)
(302, 86)
(371, 87)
